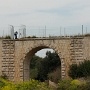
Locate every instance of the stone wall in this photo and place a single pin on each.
(15, 55)
(0, 57)
(86, 48)
(77, 46)
(8, 50)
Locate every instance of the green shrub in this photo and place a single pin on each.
(71, 85)
(34, 37)
(64, 84)
(55, 76)
(36, 85)
(7, 37)
(30, 85)
(2, 83)
(74, 85)
(85, 86)
(81, 70)
(73, 72)
(75, 82)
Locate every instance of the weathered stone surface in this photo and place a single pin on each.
(15, 55)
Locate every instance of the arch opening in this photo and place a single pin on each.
(27, 63)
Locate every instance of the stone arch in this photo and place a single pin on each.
(29, 54)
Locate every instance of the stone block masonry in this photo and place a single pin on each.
(8, 49)
(15, 55)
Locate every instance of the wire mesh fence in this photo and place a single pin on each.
(46, 31)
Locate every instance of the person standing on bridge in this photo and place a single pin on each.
(16, 34)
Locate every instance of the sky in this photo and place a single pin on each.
(44, 12)
(68, 14)
(42, 53)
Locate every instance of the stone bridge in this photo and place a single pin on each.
(15, 55)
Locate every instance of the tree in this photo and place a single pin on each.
(34, 66)
(35, 61)
(48, 65)
(41, 67)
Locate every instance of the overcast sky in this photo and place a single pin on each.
(52, 13)
(44, 12)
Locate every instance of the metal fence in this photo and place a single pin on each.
(45, 31)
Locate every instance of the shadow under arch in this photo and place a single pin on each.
(30, 54)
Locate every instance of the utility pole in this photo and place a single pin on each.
(19, 33)
(60, 31)
(86, 30)
(45, 31)
(11, 31)
(39, 32)
(82, 29)
(3, 33)
(64, 32)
